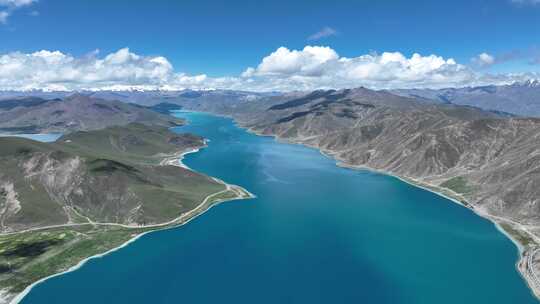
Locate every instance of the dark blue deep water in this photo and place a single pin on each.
(315, 234)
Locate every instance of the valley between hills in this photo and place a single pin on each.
(485, 159)
(374, 152)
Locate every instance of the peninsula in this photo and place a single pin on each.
(91, 192)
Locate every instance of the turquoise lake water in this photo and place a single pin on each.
(315, 234)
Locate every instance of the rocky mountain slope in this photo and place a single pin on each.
(111, 175)
(488, 160)
(492, 161)
(72, 113)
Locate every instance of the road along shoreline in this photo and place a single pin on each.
(170, 160)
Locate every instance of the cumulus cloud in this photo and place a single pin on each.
(323, 33)
(8, 6)
(309, 62)
(56, 70)
(313, 67)
(317, 66)
(484, 60)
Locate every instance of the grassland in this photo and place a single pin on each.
(90, 192)
(458, 184)
(27, 257)
(110, 175)
(523, 238)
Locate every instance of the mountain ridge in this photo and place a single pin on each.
(76, 112)
(487, 160)
(520, 98)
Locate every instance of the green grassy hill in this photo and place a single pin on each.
(109, 175)
(90, 192)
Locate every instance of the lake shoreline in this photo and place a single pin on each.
(172, 160)
(492, 237)
(525, 253)
(522, 264)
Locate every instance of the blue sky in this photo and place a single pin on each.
(224, 38)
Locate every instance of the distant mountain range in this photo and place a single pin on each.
(518, 98)
(488, 160)
(145, 98)
(76, 112)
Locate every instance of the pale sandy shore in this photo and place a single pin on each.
(206, 204)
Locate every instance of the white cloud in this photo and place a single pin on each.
(484, 60)
(313, 67)
(9, 6)
(46, 69)
(3, 17)
(16, 3)
(316, 66)
(323, 33)
(309, 61)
